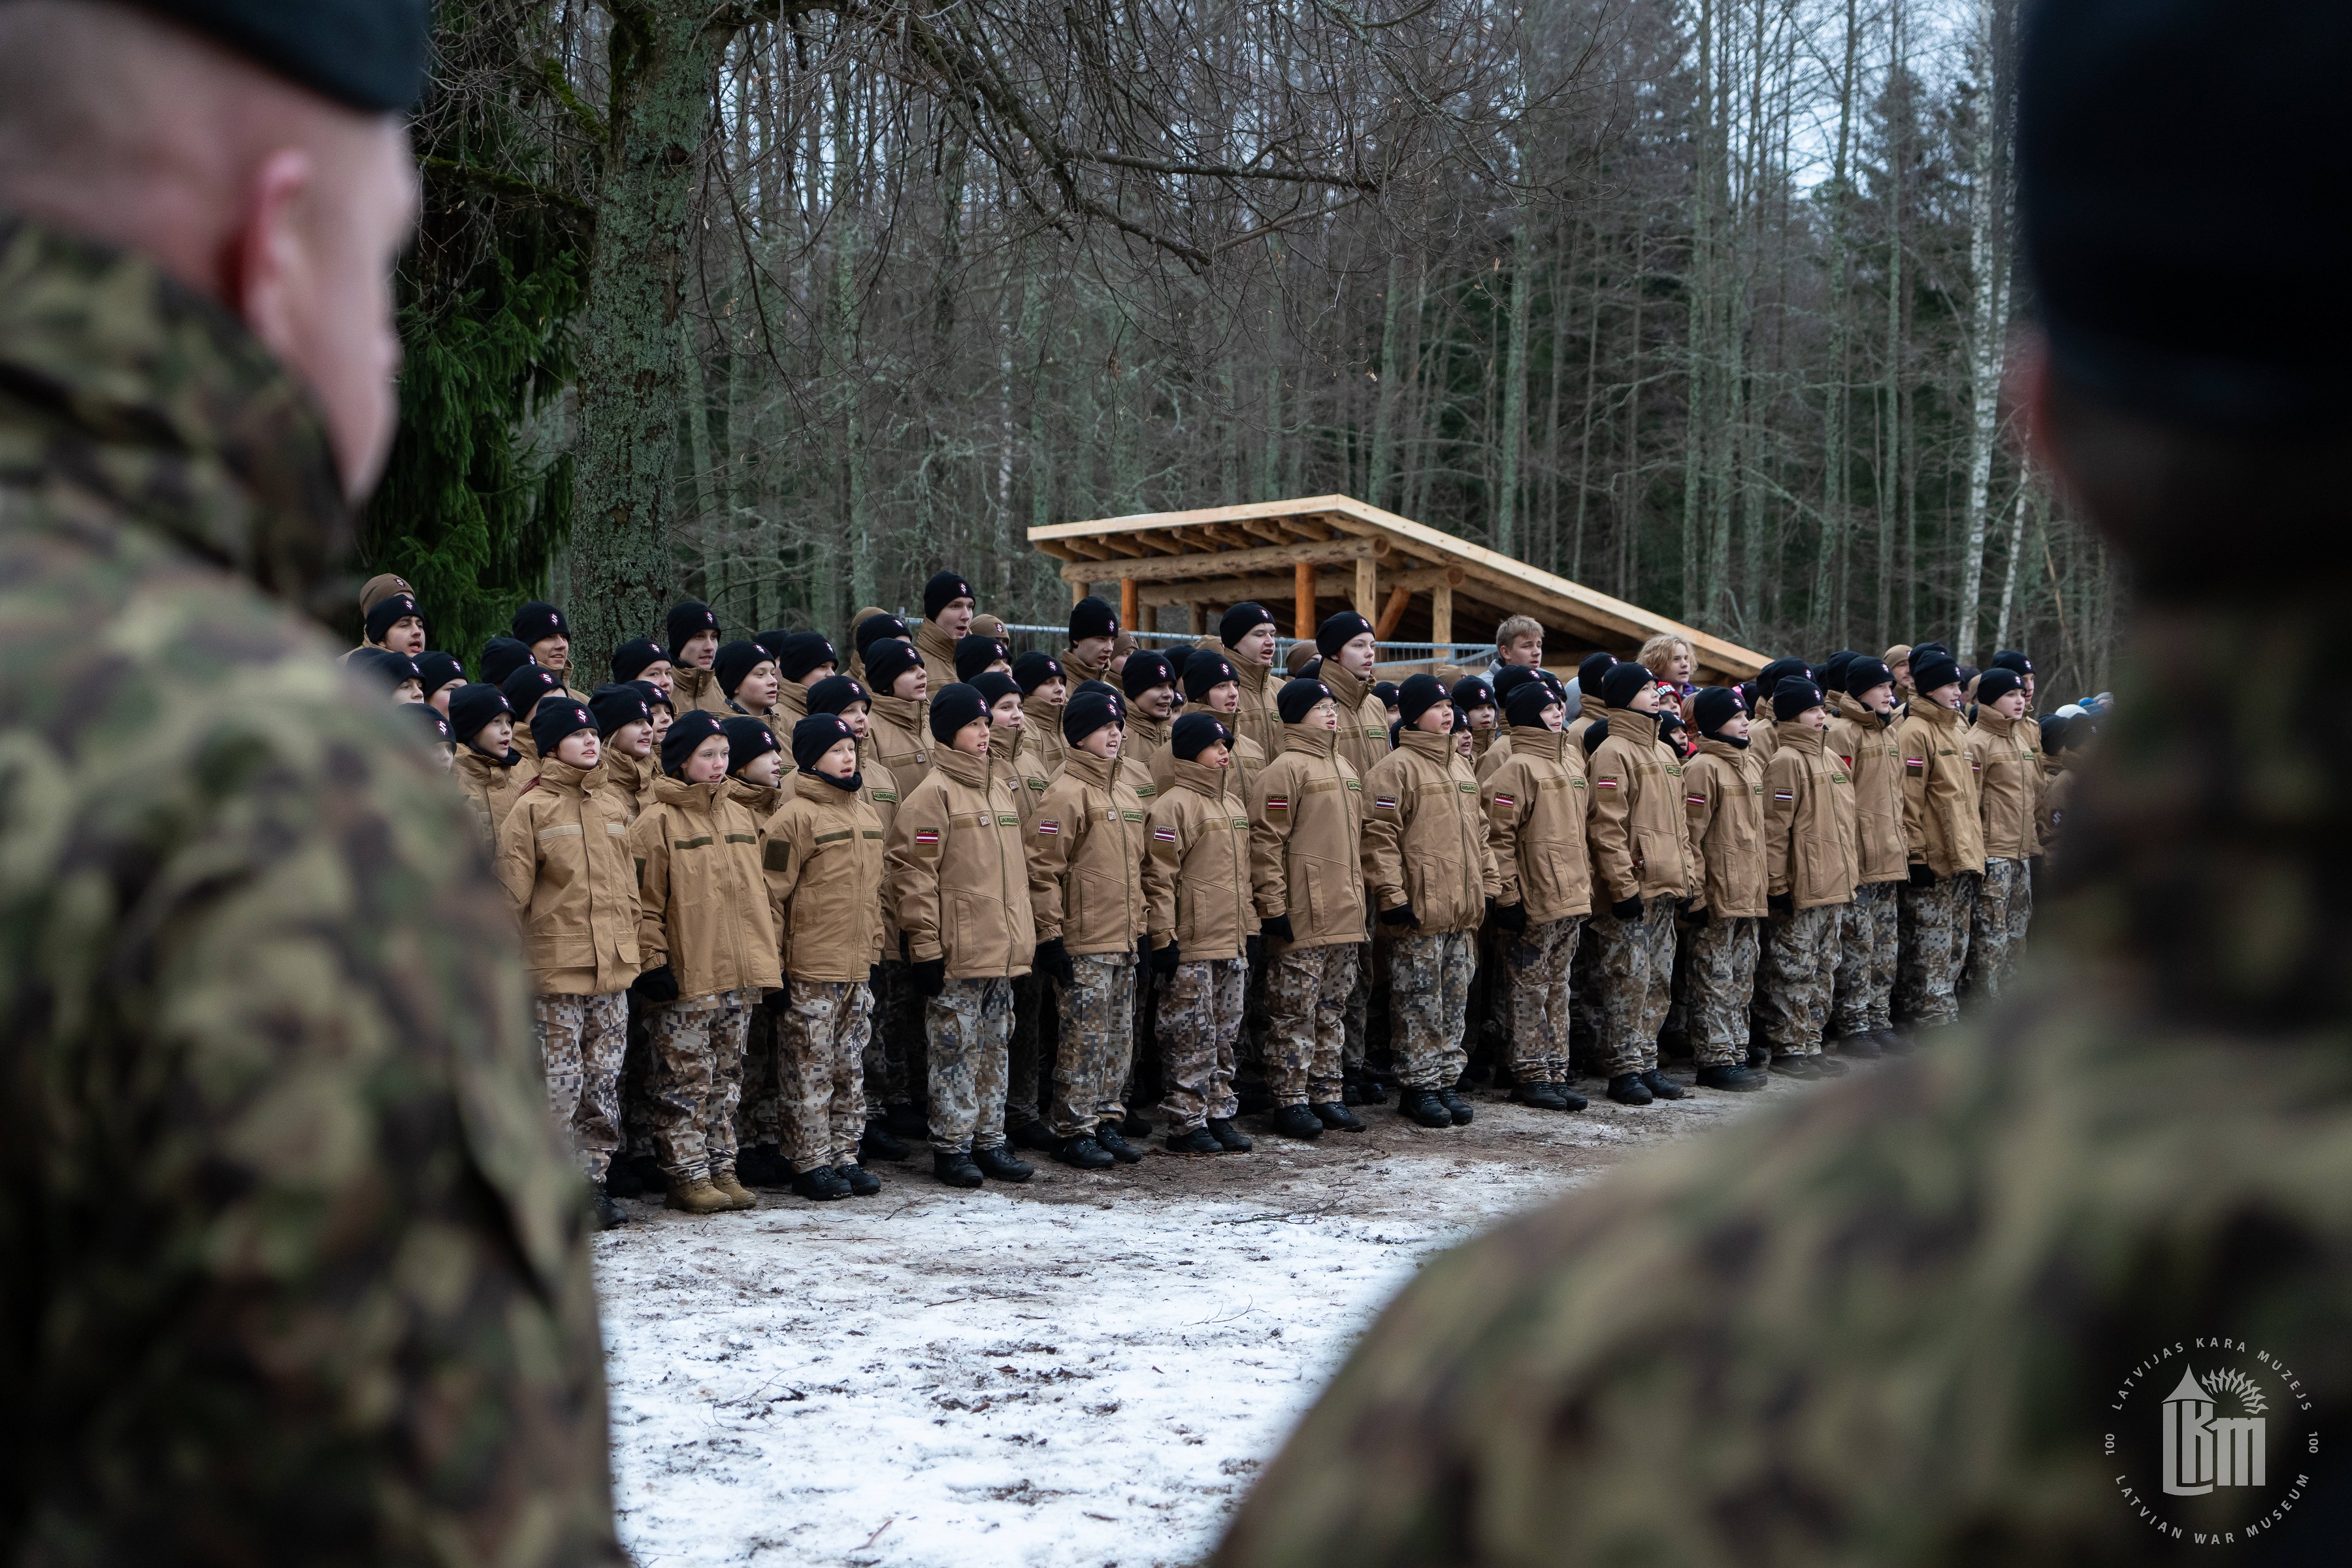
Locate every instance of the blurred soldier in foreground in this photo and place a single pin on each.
(292, 1267)
(2076, 1284)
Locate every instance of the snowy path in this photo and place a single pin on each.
(1085, 1370)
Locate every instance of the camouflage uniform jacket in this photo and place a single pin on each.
(1888, 1322)
(293, 1264)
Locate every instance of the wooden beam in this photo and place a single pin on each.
(1303, 591)
(1441, 612)
(1127, 602)
(1385, 627)
(1206, 563)
(1367, 586)
(1078, 591)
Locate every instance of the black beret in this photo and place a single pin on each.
(471, 707)
(1241, 620)
(536, 621)
(735, 661)
(437, 671)
(554, 720)
(687, 621)
(1194, 732)
(816, 735)
(1145, 669)
(367, 55)
(636, 655)
(694, 726)
(1793, 697)
(836, 692)
(1032, 670)
(1716, 706)
(618, 706)
(1298, 698)
(386, 611)
(953, 706)
(889, 659)
(526, 686)
(974, 654)
(942, 590)
(1623, 682)
(1417, 695)
(1089, 710)
(501, 656)
(748, 740)
(1092, 617)
(1339, 631)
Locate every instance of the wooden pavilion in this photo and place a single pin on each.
(1306, 558)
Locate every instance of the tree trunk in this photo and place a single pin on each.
(1515, 390)
(1988, 323)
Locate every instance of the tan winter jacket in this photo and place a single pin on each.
(1247, 761)
(1639, 830)
(1043, 738)
(627, 781)
(1425, 837)
(702, 899)
(1196, 882)
(1808, 820)
(1259, 720)
(759, 800)
(2050, 813)
(1146, 742)
(691, 689)
(1941, 825)
(1590, 708)
(1008, 750)
(490, 789)
(2008, 785)
(898, 733)
(1536, 800)
(1086, 858)
(1723, 794)
(1498, 753)
(1867, 749)
(1363, 719)
(563, 855)
(937, 650)
(823, 859)
(1306, 825)
(957, 878)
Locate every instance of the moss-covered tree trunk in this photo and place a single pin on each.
(633, 373)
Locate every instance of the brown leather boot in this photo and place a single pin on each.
(737, 1194)
(697, 1196)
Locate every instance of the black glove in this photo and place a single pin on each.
(1627, 909)
(1275, 930)
(904, 956)
(1511, 917)
(1163, 957)
(1781, 904)
(873, 976)
(931, 977)
(1921, 877)
(1400, 915)
(1142, 951)
(779, 1002)
(1054, 958)
(656, 985)
(1254, 949)
(1694, 912)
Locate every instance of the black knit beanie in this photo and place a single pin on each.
(471, 707)
(748, 740)
(538, 620)
(1933, 673)
(1298, 699)
(1793, 697)
(501, 656)
(974, 654)
(386, 611)
(952, 707)
(1193, 731)
(655, 696)
(1472, 692)
(889, 659)
(942, 590)
(803, 652)
(636, 655)
(382, 666)
(1832, 676)
(1866, 673)
(835, 693)
(694, 726)
(1092, 617)
(554, 720)
(1241, 620)
(1386, 690)
(1461, 721)
(1769, 680)
(1559, 686)
(1623, 682)
(616, 707)
(1339, 631)
(1715, 707)
(1594, 733)
(1996, 684)
(735, 661)
(687, 621)
(1032, 670)
(994, 685)
(1930, 649)
(435, 670)
(1417, 695)
(1203, 671)
(873, 628)
(816, 735)
(1509, 679)
(1146, 669)
(1524, 708)
(1595, 670)
(526, 686)
(2009, 659)
(1089, 710)
(436, 728)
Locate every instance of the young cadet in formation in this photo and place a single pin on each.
(483, 721)
(1432, 877)
(2064, 739)
(2004, 749)
(1008, 733)
(625, 724)
(708, 940)
(1810, 874)
(1475, 700)
(1348, 644)
(1202, 922)
(642, 658)
(1766, 737)
(948, 605)
(564, 857)
(899, 732)
(1094, 631)
(525, 689)
(1592, 707)
(1862, 737)
(1148, 683)
(1245, 638)
(747, 674)
(1044, 688)
(822, 851)
(540, 627)
(1211, 687)
(1536, 802)
(802, 659)
(957, 878)
(690, 632)
(1307, 873)
(1943, 835)
(1722, 797)
(975, 655)
(439, 738)
(866, 627)
(754, 769)
(1085, 886)
(1642, 861)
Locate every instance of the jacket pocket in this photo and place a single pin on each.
(1662, 859)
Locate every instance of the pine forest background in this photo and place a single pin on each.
(1705, 303)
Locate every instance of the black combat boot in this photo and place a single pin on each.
(1033, 1135)
(1759, 1057)
(1083, 1153)
(651, 1178)
(1296, 1122)
(1199, 1141)
(762, 1165)
(879, 1142)
(1797, 1066)
(1894, 1042)
(1229, 1137)
(1860, 1045)
(820, 1185)
(956, 1170)
(1661, 1087)
(1423, 1106)
(1830, 1067)
(1569, 1099)
(1112, 1139)
(1627, 1088)
(1542, 1096)
(1370, 1090)
(1349, 1094)
(608, 1212)
(906, 1122)
(863, 1182)
(1136, 1125)
(1336, 1117)
(1456, 1107)
(997, 1161)
(1736, 1079)
(621, 1182)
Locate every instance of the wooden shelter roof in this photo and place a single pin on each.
(1306, 557)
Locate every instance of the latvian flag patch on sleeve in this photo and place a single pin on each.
(1049, 827)
(1604, 784)
(1694, 800)
(1504, 800)
(1382, 803)
(1277, 803)
(925, 836)
(1782, 794)
(1165, 834)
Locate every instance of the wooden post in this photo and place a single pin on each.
(1385, 627)
(1127, 594)
(1193, 617)
(1441, 617)
(1078, 592)
(1302, 590)
(1367, 586)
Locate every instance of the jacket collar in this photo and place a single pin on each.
(1313, 742)
(1589, 706)
(625, 771)
(1086, 765)
(1938, 714)
(962, 766)
(906, 712)
(1042, 716)
(760, 798)
(1079, 670)
(697, 797)
(821, 793)
(553, 774)
(1349, 690)
(1789, 732)
(1138, 722)
(164, 405)
(1631, 724)
(1438, 749)
(1993, 723)
(932, 641)
(1538, 742)
(691, 683)
(1724, 748)
(1852, 707)
(1213, 782)
(1253, 677)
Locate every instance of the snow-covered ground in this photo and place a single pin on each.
(1085, 1370)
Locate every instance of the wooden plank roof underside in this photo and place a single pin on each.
(1222, 556)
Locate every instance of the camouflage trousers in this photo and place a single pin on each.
(1199, 1018)
(1796, 976)
(1996, 922)
(1307, 992)
(582, 1040)
(1633, 975)
(894, 1053)
(1371, 975)
(1584, 1048)
(759, 1116)
(821, 1066)
(1097, 1045)
(1869, 941)
(1933, 921)
(1720, 980)
(637, 1076)
(1033, 1042)
(1429, 1002)
(697, 1081)
(1533, 986)
(967, 1028)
